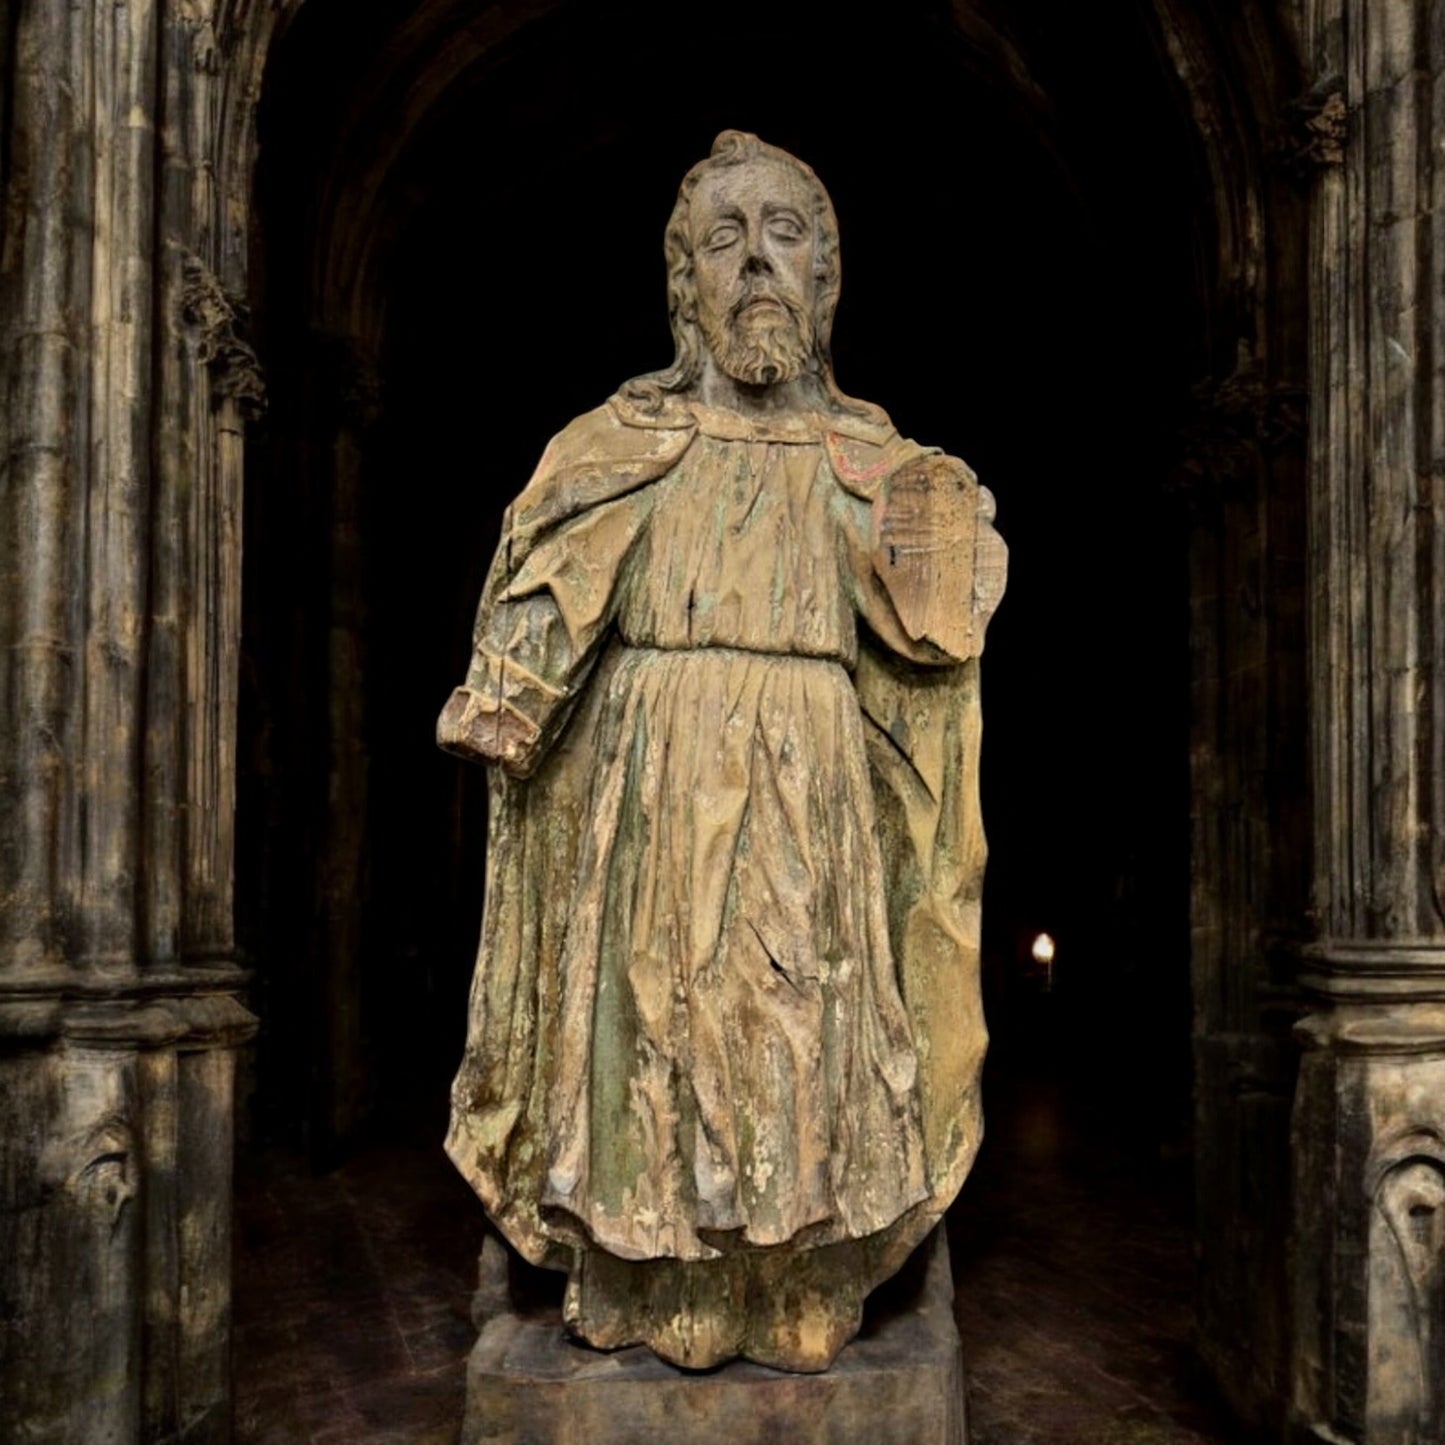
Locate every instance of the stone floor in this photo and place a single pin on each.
(1072, 1259)
(352, 1298)
(1073, 1271)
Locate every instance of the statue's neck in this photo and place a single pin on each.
(717, 389)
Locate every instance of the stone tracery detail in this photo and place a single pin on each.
(1407, 1306)
(233, 363)
(1319, 127)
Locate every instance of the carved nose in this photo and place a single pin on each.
(757, 265)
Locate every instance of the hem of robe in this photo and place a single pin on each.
(582, 1227)
(788, 1309)
(756, 1329)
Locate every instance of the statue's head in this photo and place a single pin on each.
(752, 269)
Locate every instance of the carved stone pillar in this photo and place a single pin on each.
(1369, 1119)
(119, 510)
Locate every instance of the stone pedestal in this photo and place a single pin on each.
(1369, 1159)
(899, 1383)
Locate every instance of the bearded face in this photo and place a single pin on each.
(752, 234)
(765, 338)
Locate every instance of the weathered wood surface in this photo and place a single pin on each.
(925, 520)
(726, 1032)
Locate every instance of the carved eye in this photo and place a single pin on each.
(723, 236)
(785, 228)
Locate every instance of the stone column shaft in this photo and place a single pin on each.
(119, 561)
(1369, 1122)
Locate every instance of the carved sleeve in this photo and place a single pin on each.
(540, 627)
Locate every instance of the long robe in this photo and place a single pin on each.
(725, 1035)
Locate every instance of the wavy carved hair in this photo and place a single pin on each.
(735, 148)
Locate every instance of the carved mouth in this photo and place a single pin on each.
(760, 303)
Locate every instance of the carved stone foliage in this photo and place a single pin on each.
(234, 366)
(1317, 128)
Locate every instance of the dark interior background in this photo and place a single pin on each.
(1022, 286)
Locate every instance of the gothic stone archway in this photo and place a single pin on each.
(128, 151)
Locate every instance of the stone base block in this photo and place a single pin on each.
(899, 1383)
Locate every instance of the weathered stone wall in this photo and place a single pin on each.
(1243, 482)
(119, 469)
(1369, 1122)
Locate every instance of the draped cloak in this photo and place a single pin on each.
(725, 1033)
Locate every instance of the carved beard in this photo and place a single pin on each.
(762, 347)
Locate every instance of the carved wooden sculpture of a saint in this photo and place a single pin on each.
(725, 1032)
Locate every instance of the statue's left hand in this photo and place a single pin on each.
(474, 728)
(925, 523)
